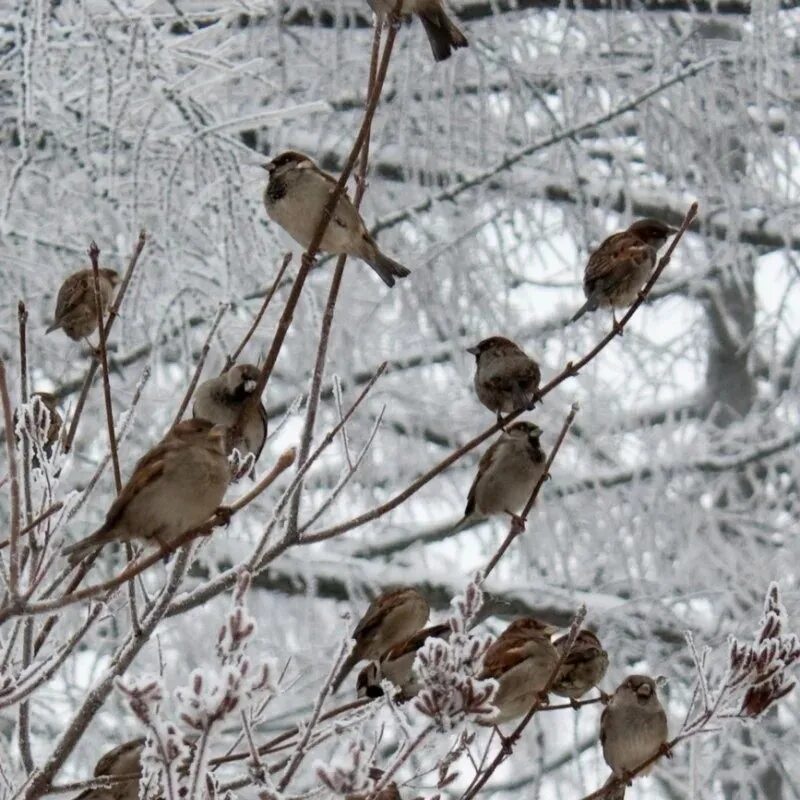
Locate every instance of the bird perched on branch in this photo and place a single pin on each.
(507, 472)
(221, 400)
(126, 759)
(633, 728)
(620, 267)
(443, 34)
(521, 659)
(76, 309)
(295, 197)
(390, 619)
(584, 667)
(505, 378)
(176, 486)
(396, 665)
(43, 423)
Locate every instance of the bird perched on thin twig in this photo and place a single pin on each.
(521, 659)
(443, 34)
(43, 423)
(583, 668)
(505, 377)
(76, 310)
(633, 728)
(175, 486)
(221, 400)
(295, 197)
(122, 760)
(390, 619)
(621, 265)
(507, 473)
(396, 665)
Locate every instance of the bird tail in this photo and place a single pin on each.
(589, 305)
(54, 327)
(618, 793)
(386, 267)
(344, 670)
(443, 34)
(79, 550)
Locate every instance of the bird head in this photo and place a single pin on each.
(287, 161)
(652, 231)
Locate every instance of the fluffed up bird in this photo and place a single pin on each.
(633, 728)
(76, 310)
(43, 422)
(220, 400)
(175, 486)
(396, 665)
(390, 619)
(126, 759)
(521, 659)
(584, 667)
(507, 472)
(295, 197)
(443, 34)
(505, 378)
(620, 267)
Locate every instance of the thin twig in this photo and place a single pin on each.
(232, 358)
(22, 317)
(13, 489)
(33, 524)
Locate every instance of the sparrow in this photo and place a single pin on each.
(389, 792)
(76, 310)
(522, 659)
(505, 378)
(443, 34)
(396, 665)
(295, 197)
(633, 727)
(43, 422)
(122, 760)
(175, 486)
(220, 400)
(620, 267)
(584, 667)
(507, 472)
(390, 619)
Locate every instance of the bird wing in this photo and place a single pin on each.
(413, 643)
(71, 294)
(483, 465)
(148, 469)
(376, 613)
(609, 262)
(500, 657)
(262, 413)
(107, 761)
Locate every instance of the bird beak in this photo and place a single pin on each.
(644, 691)
(473, 350)
(268, 166)
(671, 231)
(550, 630)
(219, 432)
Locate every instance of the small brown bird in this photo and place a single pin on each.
(633, 727)
(221, 399)
(122, 760)
(620, 267)
(44, 424)
(584, 667)
(505, 378)
(521, 659)
(396, 665)
(295, 197)
(389, 792)
(507, 472)
(175, 486)
(76, 310)
(390, 619)
(443, 34)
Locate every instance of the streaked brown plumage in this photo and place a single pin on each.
(621, 265)
(295, 197)
(174, 487)
(633, 727)
(391, 618)
(443, 34)
(122, 760)
(521, 659)
(396, 665)
(505, 377)
(221, 399)
(76, 310)
(584, 667)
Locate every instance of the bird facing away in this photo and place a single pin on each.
(295, 197)
(220, 400)
(443, 34)
(633, 727)
(391, 618)
(44, 424)
(76, 310)
(507, 472)
(175, 486)
(621, 265)
(505, 378)
(584, 667)
(521, 659)
(122, 760)
(396, 665)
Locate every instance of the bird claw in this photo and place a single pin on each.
(518, 523)
(605, 698)
(506, 742)
(223, 515)
(665, 750)
(574, 703)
